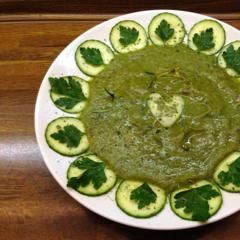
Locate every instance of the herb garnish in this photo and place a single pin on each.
(94, 173)
(195, 201)
(204, 41)
(70, 88)
(153, 78)
(143, 195)
(128, 35)
(69, 135)
(68, 103)
(92, 56)
(232, 58)
(112, 95)
(164, 30)
(232, 175)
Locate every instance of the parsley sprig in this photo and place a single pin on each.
(92, 56)
(69, 88)
(232, 58)
(94, 172)
(204, 40)
(195, 201)
(69, 135)
(232, 175)
(164, 30)
(143, 195)
(128, 35)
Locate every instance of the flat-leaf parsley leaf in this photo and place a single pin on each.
(232, 175)
(69, 88)
(204, 40)
(195, 201)
(69, 134)
(232, 58)
(92, 56)
(164, 30)
(94, 173)
(143, 195)
(66, 102)
(128, 35)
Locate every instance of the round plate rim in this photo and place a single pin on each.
(54, 174)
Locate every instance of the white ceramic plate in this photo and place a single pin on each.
(45, 111)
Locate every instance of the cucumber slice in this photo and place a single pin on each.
(210, 204)
(80, 105)
(133, 34)
(222, 63)
(105, 53)
(89, 189)
(71, 144)
(166, 112)
(218, 34)
(171, 34)
(131, 207)
(227, 173)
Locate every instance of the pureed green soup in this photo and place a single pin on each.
(123, 131)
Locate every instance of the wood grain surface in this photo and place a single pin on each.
(115, 6)
(32, 205)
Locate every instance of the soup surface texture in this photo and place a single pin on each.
(123, 131)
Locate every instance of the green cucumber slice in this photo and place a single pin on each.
(81, 103)
(70, 145)
(131, 207)
(227, 173)
(128, 36)
(203, 201)
(106, 55)
(209, 34)
(75, 172)
(222, 62)
(166, 29)
(166, 112)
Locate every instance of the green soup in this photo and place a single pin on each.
(123, 131)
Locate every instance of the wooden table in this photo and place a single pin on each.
(32, 205)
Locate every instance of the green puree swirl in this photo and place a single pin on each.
(123, 131)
